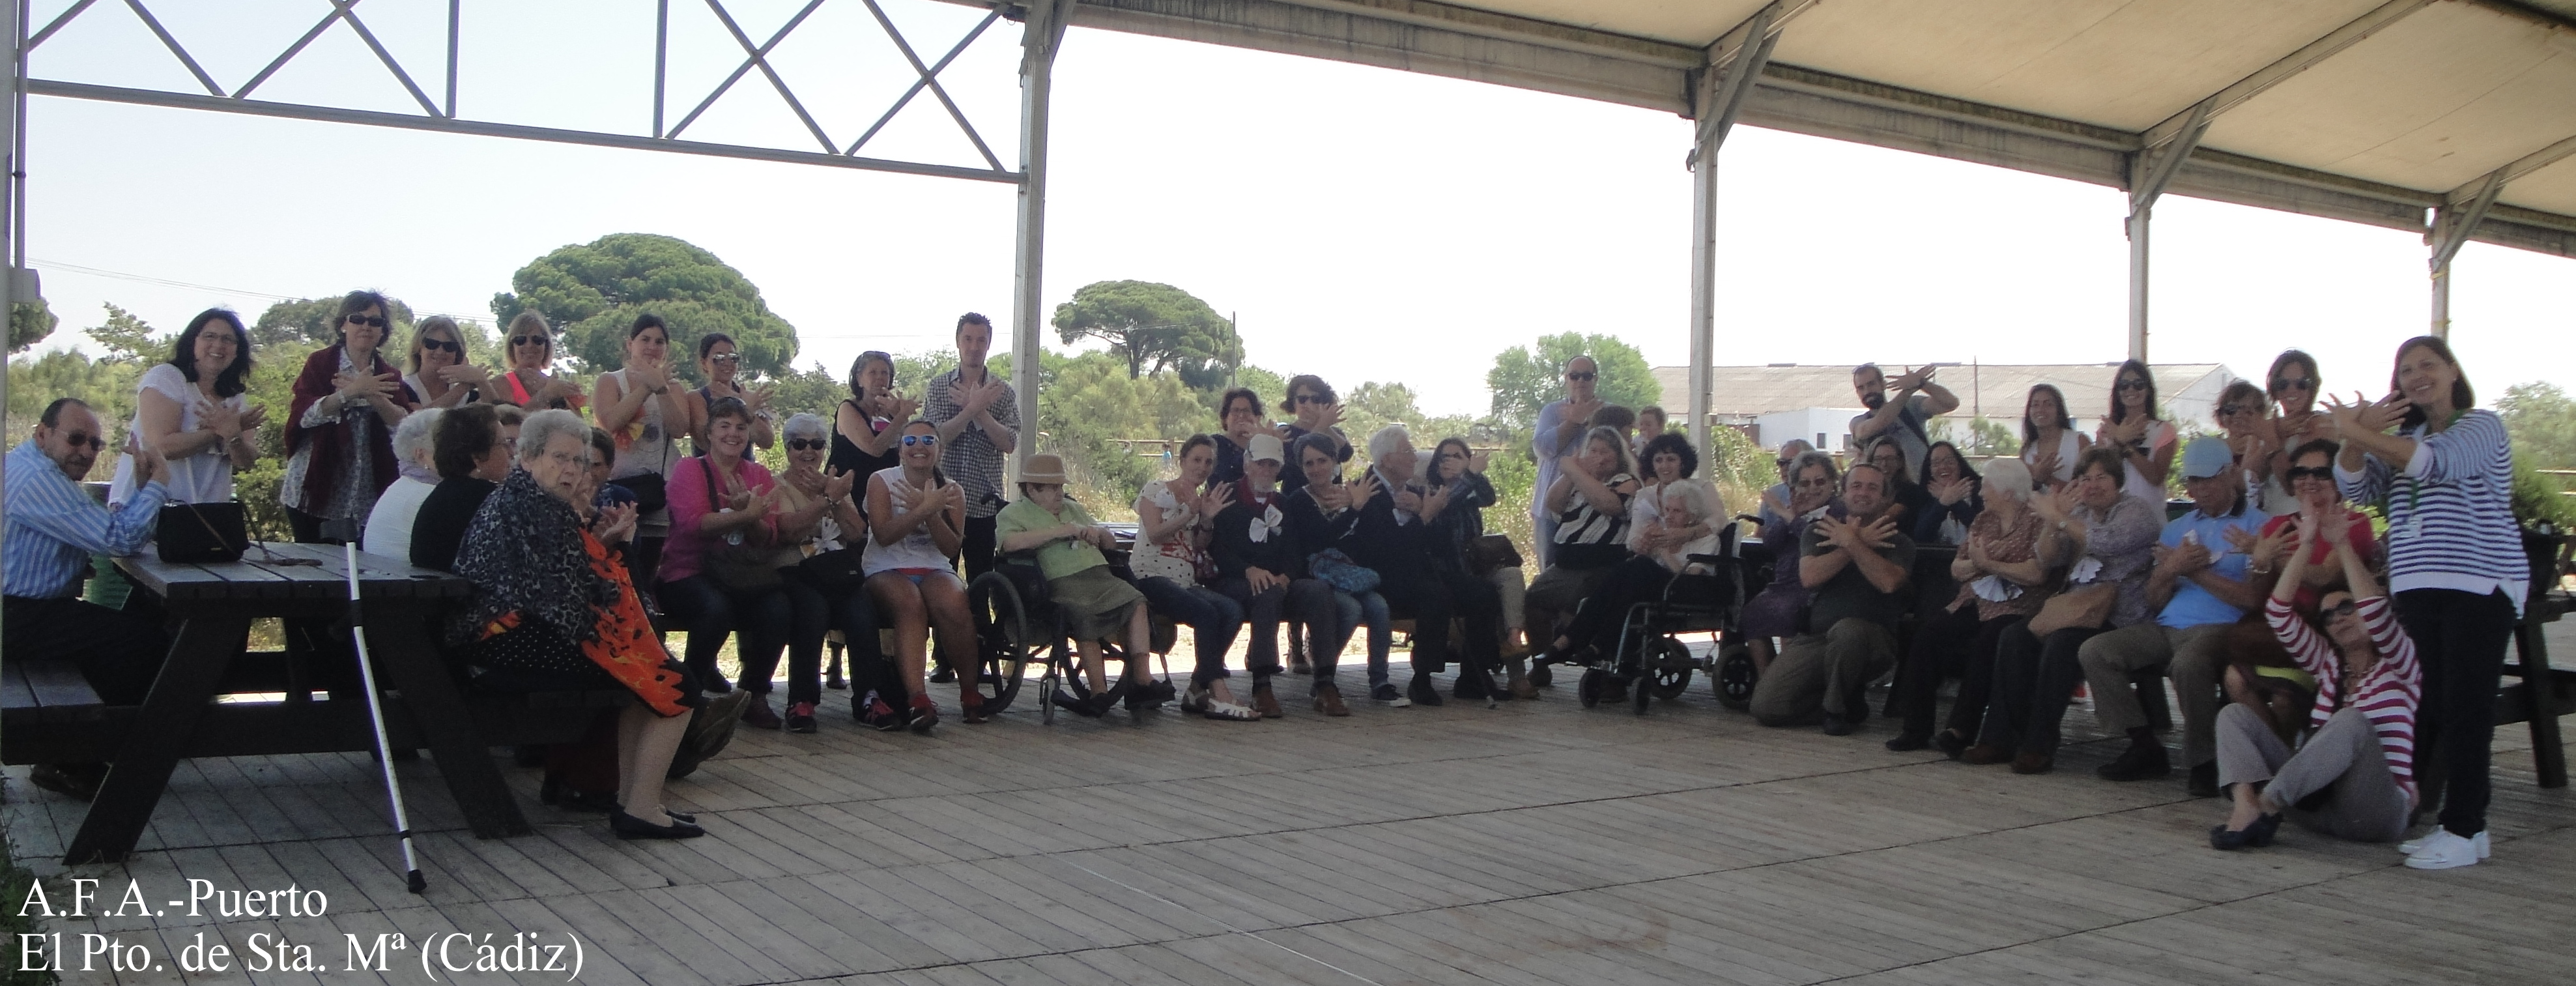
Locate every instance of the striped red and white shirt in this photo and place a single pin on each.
(2387, 695)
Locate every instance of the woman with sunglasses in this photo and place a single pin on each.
(2354, 777)
(195, 411)
(2312, 482)
(1773, 612)
(1318, 412)
(2294, 385)
(864, 436)
(2050, 445)
(440, 377)
(530, 350)
(2146, 443)
(817, 514)
(720, 361)
(642, 408)
(916, 526)
(339, 432)
(2455, 564)
(2244, 415)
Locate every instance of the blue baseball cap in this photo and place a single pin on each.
(2206, 456)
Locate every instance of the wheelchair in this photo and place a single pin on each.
(1656, 663)
(1016, 628)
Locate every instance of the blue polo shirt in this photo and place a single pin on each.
(2192, 605)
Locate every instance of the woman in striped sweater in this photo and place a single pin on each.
(2354, 778)
(2455, 566)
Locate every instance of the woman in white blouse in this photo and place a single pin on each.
(193, 410)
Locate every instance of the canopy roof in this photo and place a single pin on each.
(2362, 110)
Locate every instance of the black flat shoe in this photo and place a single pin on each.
(630, 827)
(2253, 836)
(1951, 743)
(1908, 743)
(677, 816)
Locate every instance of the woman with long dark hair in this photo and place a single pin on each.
(194, 411)
(864, 427)
(2455, 566)
(1953, 496)
(1175, 521)
(1461, 470)
(2049, 442)
(340, 432)
(720, 362)
(2146, 443)
(643, 410)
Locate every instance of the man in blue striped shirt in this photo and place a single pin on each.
(54, 528)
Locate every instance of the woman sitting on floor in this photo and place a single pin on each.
(1773, 612)
(551, 611)
(2355, 776)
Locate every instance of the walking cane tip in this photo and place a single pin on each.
(418, 883)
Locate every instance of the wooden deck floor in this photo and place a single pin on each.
(1534, 843)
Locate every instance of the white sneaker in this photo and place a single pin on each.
(2412, 846)
(2443, 851)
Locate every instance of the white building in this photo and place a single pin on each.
(1776, 403)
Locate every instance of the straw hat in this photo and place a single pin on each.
(1043, 468)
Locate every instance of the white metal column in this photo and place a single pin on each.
(1734, 66)
(1041, 33)
(2140, 220)
(2463, 209)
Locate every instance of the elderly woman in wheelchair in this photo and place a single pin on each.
(1090, 602)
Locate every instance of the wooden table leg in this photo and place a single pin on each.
(395, 636)
(141, 771)
(2548, 755)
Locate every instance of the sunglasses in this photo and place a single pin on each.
(548, 341)
(2294, 383)
(806, 444)
(2322, 474)
(2232, 410)
(1583, 375)
(1785, 463)
(1311, 399)
(2133, 384)
(370, 321)
(1808, 484)
(440, 345)
(2344, 608)
(921, 439)
(727, 359)
(77, 439)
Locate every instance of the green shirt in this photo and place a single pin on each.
(1058, 558)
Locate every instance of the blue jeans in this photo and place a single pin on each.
(709, 611)
(1213, 619)
(1354, 609)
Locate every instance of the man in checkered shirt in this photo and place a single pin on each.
(978, 416)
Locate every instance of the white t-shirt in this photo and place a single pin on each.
(203, 477)
(389, 524)
(2159, 434)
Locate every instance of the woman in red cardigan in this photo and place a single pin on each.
(339, 435)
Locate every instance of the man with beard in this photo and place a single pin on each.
(1856, 568)
(1918, 400)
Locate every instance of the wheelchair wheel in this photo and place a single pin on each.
(1588, 688)
(1672, 672)
(1002, 640)
(1735, 677)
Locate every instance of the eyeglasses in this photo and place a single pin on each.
(2232, 410)
(76, 439)
(2294, 383)
(532, 340)
(1809, 484)
(2322, 474)
(921, 439)
(569, 459)
(808, 444)
(1311, 399)
(1583, 375)
(440, 345)
(2344, 608)
(370, 321)
(1785, 463)
(727, 359)
(2133, 383)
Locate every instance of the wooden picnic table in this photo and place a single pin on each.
(212, 606)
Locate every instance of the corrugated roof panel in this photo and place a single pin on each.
(2432, 102)
(2108, 62)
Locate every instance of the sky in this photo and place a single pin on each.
(1363, 224)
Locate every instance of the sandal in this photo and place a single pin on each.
(1230, 712)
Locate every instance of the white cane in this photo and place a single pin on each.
(376, 715)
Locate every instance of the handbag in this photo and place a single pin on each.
(835, 572)
(192, 533)
(744, 567)
(648, 489)
(1339, 571)
(1488, 552)
(2079, 607)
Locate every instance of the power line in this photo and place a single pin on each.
(166, 282)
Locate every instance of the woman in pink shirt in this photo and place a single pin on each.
(721, 501)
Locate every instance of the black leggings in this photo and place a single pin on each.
(708, 611)
(1955, 643)
(2033, 682)
(2460, 640)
